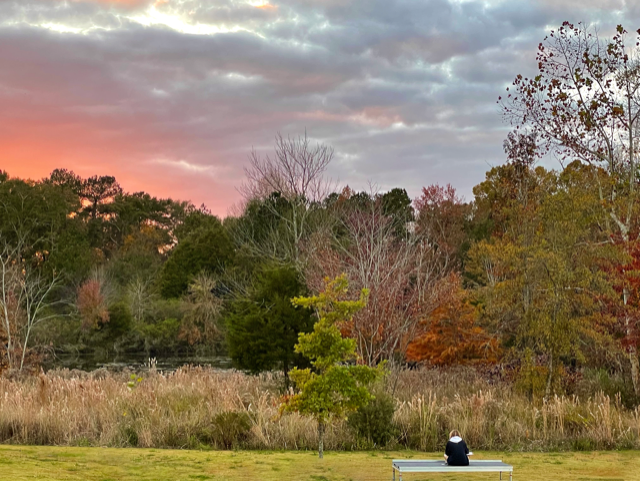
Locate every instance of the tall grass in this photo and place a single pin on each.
(195, 407)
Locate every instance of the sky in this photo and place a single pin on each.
(170, 96)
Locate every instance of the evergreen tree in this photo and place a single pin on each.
(263, 326)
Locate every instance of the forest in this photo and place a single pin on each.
(534, 281)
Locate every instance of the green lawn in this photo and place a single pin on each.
(110, 464)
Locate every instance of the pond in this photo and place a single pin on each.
(131, 361)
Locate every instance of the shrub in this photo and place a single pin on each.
(374, 422)
(231, 428)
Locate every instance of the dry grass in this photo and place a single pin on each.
(183, 410)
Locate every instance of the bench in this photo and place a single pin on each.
(434, 466)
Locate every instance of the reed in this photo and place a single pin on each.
(197, 407)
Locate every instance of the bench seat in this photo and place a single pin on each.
(440, 466)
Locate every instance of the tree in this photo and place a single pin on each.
(25, 302)
(451, 334)
(401, 272)
(33, 216)
(66, 179)
(98, 191)
(335, 386)
(441, 221)
(263, 325)
(92, 303)
(203, 307)
(584, 104)
(540, 278)
(396, 204)
(291, 185)
(206, 249)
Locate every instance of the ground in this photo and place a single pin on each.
(19, 463)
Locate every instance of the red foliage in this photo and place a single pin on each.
(625, 307)
(92, 304)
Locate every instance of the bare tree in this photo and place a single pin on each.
(402, 274)
(24, 302)
(290, 185)
(296, 171)
(140, 296)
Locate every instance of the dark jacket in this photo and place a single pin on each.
(457, 451)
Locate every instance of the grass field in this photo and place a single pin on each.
(19, 463)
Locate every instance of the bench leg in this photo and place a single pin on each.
(500, 475)
(394, 474)
(510, 475)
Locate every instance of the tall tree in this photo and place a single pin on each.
(97, 191)
(584, 103)
(442, 218)
(290, 185)
(25, 302)
(401, 272)
(541, 277)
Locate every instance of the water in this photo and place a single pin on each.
(131, 361)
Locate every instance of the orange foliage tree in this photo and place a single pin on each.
(450, 334)
(92, 304)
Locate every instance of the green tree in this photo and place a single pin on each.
(206, 249)
(263, 325)
(397, 204)
(336, 385)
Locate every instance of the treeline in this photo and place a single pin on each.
(526, 275)
(537, 274)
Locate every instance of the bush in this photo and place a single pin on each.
(374, 422)
(230, 428)
(600, 380)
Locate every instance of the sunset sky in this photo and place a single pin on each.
(171, 95)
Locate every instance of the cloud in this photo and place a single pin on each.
(171, 95)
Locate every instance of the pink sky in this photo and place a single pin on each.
(171, 96)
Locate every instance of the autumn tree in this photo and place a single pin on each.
(451, 334)
(584, 103)
(540, 279)
(337, 385)
(92, 303)
(441, 222)
(401, 272)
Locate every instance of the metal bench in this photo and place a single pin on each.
(435, 466)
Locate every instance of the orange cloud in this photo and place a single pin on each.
(266, 6)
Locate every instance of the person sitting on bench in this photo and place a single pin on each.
(456, 453)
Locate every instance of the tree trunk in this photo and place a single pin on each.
(547, 391)
(320, 439)
(285, 371)
(635, 370)
(633, 352)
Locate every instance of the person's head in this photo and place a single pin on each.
(454, 433)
